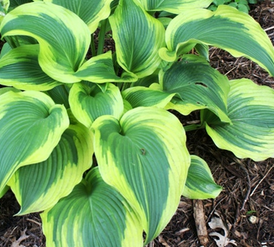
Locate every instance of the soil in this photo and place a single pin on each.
(244, 210)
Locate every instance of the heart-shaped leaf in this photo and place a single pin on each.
(93, 215)
(138, 37)
(39, 186)
(31, 125)
(89, 102)
(145, 158)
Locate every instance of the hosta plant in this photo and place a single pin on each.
(90, 137)
(242, 5)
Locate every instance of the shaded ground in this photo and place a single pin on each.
(245, 208)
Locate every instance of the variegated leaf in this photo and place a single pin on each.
(200, 182)
(20, 68)
(5, 49)
(174, 6)
(138, 37)
(63, 37)
(31, 125)
(145, 158)
(4, 191)
(90, 11)
(4, 5)
(40, 186)
(143, 96)
(197, 86)
(251, 132)
(88, 102)
(99, 69)
(226, 28)
(93, 215)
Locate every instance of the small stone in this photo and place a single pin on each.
(271, 10)
(253, 219)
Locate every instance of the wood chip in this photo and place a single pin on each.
(199, 217)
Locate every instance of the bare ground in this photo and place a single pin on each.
(243, 213)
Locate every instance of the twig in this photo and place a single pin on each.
(256, 187)
(247, 195)
(230, 71)
(182, 231)
(213, 210)
(248, 187)
(34, 221)
(269, 28)
(162, 241)
(17, 242)
(200, 223)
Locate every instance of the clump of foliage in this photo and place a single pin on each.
(242, 5)
(89, 137)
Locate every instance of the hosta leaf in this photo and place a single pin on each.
(60, 95)
(89, 102)
(145, 158)
(100, 69)
(138, 37)
(4, 191)
(93, 215)
(127, 106)
(20, 41)
(4, 5)
(197, 85)
(5, 49)
(31, 125)
(226, 28)
(203, 50)
(19, 68)
(142, 96)
(251, 132)
(147, 81)
(15, 3)
(174, 6)
(63, 37)
(91, 12)
(200, 182)
(8, 89)
(39, 186)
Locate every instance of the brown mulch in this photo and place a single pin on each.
(245, 207)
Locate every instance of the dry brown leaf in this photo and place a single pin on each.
(221, 240)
